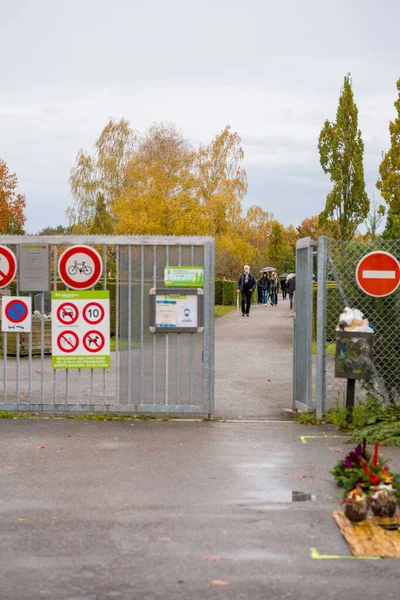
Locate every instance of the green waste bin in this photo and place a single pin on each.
(353, 359)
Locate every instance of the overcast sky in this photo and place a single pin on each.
(271, 69)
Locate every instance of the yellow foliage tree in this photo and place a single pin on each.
(159, 195)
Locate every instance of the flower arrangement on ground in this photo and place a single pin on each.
(367, 480)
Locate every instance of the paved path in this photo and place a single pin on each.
(174, 510)
(254, 363)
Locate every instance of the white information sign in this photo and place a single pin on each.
(175, 310)
(16, 314)
(80, 330)
(34, 268)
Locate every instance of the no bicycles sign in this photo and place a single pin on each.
(81, 330)
(80, 267)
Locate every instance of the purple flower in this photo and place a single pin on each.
(352, 459)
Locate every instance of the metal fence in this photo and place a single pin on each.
(335, 289)
(150, 373)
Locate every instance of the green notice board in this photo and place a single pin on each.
(184, 277)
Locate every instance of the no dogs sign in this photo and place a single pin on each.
(81, 330)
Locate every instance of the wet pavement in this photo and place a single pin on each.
(164, 510)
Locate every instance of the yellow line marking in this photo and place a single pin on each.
(315, 554)
(304, 438)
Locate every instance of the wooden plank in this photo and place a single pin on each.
(367, 538)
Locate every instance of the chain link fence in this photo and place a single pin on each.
(384, 314)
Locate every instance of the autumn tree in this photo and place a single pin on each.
(311, 227)
(159, 195)
(12, 203)
(222, 181)
(102, 222)
(103, 173)
(341, 151)
(389, 170)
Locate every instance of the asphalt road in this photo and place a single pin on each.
(165, 510)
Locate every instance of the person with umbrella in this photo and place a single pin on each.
(246, 285)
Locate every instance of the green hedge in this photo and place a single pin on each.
(225, 293)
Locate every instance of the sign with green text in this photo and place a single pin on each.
(183, 276)
(80, 329)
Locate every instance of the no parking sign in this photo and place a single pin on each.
(16, 314)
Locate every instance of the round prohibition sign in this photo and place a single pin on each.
(378, 274)
(94, 341)
(68, 341)
(80, 267)
(93, 313)
(16, 311)
(8, 266)
(67, 313)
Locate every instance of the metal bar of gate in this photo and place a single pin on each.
(18, 338)
(321, 328)
(178, 344)
(154, 337)
(129, 324)
(166, 342)
(192, 336)
(142, 324)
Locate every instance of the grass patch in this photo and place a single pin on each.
(307, 418)
(330, 348)
(220, 311)
(4, 414)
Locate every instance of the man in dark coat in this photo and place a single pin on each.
(246, 285)
(291, 287)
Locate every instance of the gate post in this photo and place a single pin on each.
(302, 347)
(321, 327)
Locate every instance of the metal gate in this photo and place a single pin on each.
(171, 373)
(315, 385)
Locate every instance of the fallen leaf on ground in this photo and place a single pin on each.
(219, 582)
(39, 372)
(41, 446)
(212, 558)
(336, 449)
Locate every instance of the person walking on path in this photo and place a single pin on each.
(263, 284)
(283, 288)
(246, 285)
(273, 289)
(259, 293)
(291, 286)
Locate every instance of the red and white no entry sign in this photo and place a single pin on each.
(67, 313)
(93, 341)
(93, 313)
(8, 266)
(68, 341)
(378, 274)
(80, 267)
